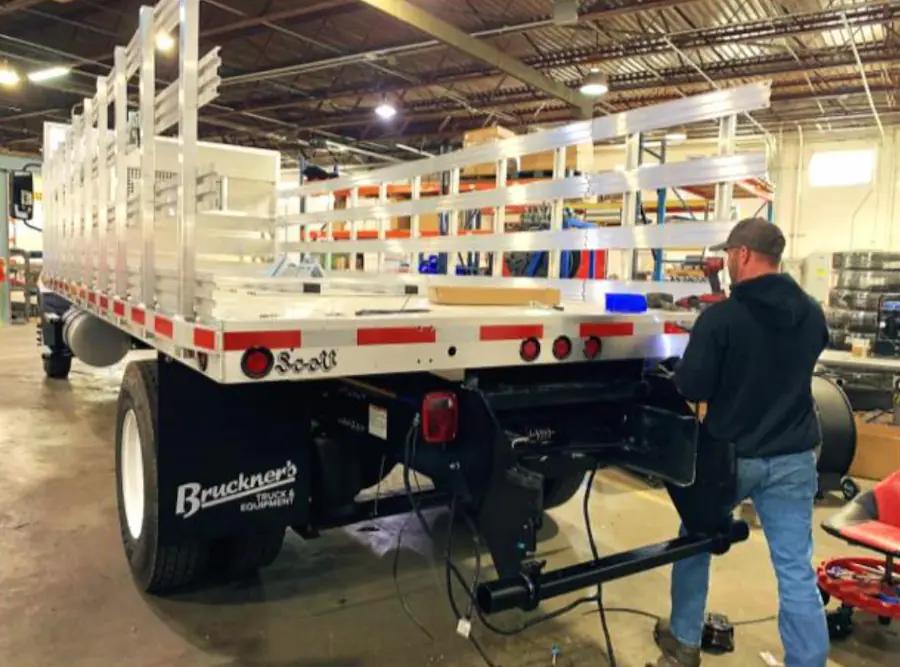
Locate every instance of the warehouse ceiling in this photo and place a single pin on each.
(304, 76)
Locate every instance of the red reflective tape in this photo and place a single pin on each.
(92, 297)
(82, 293)
(163, 326)
(119, 308)
(137, 315)
(601, 329)
(395, 335)
(104, 302)
(205, 338)
(241, 340)
(511, 331)
(673, 328)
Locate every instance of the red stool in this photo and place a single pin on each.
(871, 520)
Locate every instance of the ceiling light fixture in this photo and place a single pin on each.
(595, 84)
(9, 77)
(385, 110)
(164, 42)
(48, 73)
(676, 137)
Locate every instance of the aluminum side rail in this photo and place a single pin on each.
(684, 111)
(675, 235)
(677, 174)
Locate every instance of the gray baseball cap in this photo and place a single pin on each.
(757, 234)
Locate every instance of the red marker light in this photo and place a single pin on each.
(440, 417)
(562, 348)
(530, 349)
(257, 362)
(592, 347)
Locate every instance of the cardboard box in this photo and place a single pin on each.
(579, 158)
(493, 296)
(486, 135)
(481, 136)
(877, 450)
(428, 222)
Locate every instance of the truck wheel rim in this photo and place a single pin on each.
(132, 475)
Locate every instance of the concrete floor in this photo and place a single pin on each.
(66, 597)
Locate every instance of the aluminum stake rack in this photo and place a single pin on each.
(275, 399)
(181, 262)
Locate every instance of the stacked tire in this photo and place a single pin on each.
(863, 280)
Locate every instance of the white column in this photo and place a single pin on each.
(186, 224)
(120, 130)
(724, 191)
(147, 106)
(102, 184)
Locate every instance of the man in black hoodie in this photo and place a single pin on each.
(751, 358)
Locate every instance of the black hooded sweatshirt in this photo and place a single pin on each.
(751, 357)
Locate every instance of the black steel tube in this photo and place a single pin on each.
(526, 592)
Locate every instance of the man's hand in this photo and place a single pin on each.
(666, 367)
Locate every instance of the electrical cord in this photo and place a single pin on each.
(451, 568)
(756, 621)
(408, 453)
(396, 568)
(656, 617)
(610, 652)
(452, 571)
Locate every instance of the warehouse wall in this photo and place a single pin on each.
(828, 219)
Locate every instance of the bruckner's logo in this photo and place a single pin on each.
(193, 496)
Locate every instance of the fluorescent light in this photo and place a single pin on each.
(595, 84)
(8, 76)
(385, 111)
(841, 168)
(48, 73)
(675, 137)
(164, 41)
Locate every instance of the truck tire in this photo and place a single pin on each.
(866, 261)
(558, 490)
(156, 568)
(241, 555)
(57, 366)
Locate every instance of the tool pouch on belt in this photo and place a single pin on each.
(705, 506)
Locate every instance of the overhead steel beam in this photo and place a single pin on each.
(481, 50)
(794, 24)
(17, 5)
(284, 15)
(764, 66)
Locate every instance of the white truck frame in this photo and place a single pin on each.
(300, 389)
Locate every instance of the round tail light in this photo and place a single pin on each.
(592, 347)
(562, 348)
(257, 362)
(530, 349)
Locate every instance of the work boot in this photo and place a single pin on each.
(674, 653)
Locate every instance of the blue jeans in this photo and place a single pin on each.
(782, 489)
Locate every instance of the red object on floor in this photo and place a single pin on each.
(856, 582)
(871, 520)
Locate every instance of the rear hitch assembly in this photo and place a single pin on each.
(532, 586)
